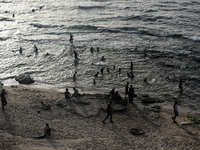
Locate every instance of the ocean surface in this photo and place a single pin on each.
(160, 37)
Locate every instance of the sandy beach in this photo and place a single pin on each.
(77, 124)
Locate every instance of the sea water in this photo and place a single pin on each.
(161, 38)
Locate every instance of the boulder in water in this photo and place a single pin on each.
(24, 79)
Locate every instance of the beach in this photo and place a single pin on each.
(77, 123)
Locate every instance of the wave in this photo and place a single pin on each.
(145, 18)
(91, 7)
(3, 38)
(5, 19)
(193, 38)
(136, 30)
(45, 26)
(83, 27)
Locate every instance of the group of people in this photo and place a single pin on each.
(35, 50)
(130, 92)
(68, 94)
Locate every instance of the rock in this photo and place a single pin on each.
(137, 131)
(24, 79)
(147, 99)
(186, 123)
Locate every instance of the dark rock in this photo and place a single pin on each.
(24, 79)
(147, 99)
(137, 131)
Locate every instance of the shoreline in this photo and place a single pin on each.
(78, 123)
(166, 104)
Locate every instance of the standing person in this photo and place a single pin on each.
(175, 106)
(131, 67)
(47, 130)
(3, 99)
(180, 84)
(92, 50)
(67, 94)
(71, 38)
(35, 49)
(109, 113)
(112, 92)
(102, 69)
(126, 89)
(20, 50)
(131, 94)
(75, 55)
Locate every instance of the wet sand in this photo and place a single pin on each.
(78, 124)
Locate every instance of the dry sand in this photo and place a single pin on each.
(78, 124)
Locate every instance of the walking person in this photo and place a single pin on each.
(109, 113)
(175, 106)
(3, 99)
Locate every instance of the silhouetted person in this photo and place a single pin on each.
(180, 84)
(76, 92)
(71, 38)
(131, 67)
(120, 70)
(102, 69)
(35, 49)
(109, 113)
(131, 94)
(94, 82)
(108, 70)
(103, 59)
(117, 96)
(3, 99)
(20, 50)
(75, 55)
(97, 50)
(92, 50)
(96, 75)
(112, 92)
(67, 94)
(175, 107)
(131, 75)
(126, 89)
(47, 130)
(74, 76)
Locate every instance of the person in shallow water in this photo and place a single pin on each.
(103, 59)
(71, 38)
(180, 84)
(75, 55)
